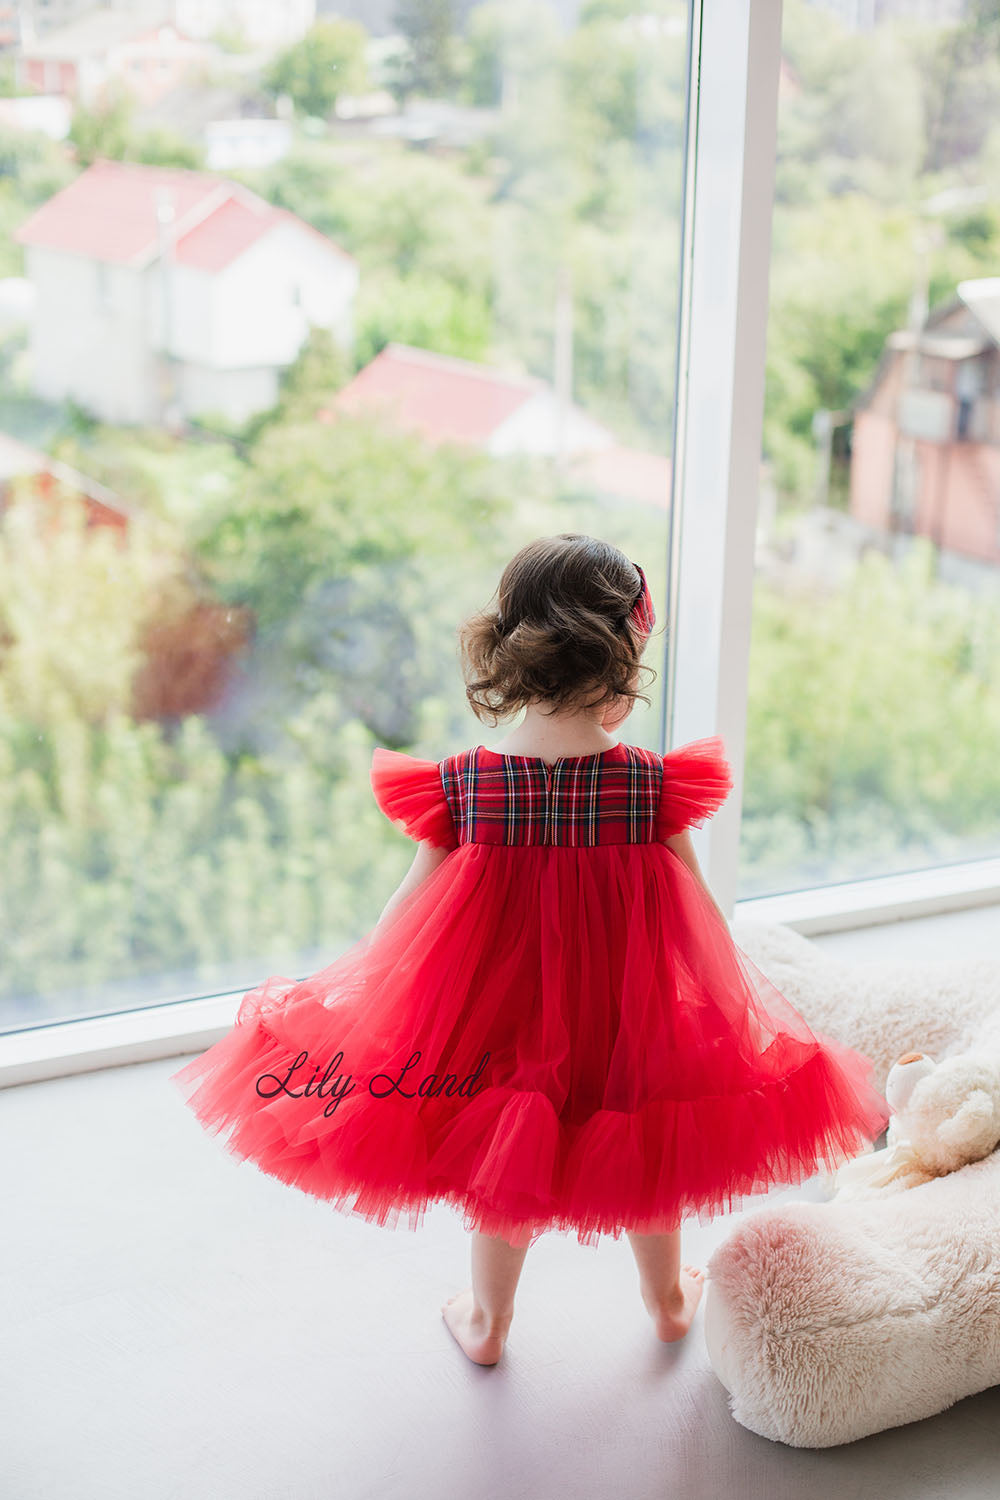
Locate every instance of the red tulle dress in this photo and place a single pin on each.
(554, 1031)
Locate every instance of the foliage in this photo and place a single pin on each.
(134, 859)
(874, 716)
(107, 131)
(304, 514)
(429, 312)
(327, 62)
(512, 37)
(428, 66)
(395, 212)
(180, 482)
(320, 369)
(142, 849)
(32, 168)
(71, 608)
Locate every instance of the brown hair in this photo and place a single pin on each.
(560, 630)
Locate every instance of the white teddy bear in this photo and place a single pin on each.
(945, 1115)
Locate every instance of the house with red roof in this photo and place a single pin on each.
(449, 400)
(925, 437)
(47, 478)
(108, 47)
(163, 294)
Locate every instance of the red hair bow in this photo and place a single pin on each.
(642, 615)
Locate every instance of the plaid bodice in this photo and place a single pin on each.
(606, 798)
(623, 795)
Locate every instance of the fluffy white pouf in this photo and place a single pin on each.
(830, 1321)
(882, 1007)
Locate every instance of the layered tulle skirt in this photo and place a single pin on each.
(546, 1038)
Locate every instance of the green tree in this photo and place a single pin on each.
(961, 76)
(515, 39)
(429, 312)
(165, 148)
(430, 64)
(318, 371)
(107, 130)
(874, 713)
(32, 168)
(396, 212)
(104, 130)
(327, 62)
(242, 840)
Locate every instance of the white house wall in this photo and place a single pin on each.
(264, 23)
(234, 394)
(89, 340)
(186, 297)
(98, 330)
(255, 319)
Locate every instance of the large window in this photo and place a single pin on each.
(281, 394)
(874, 689)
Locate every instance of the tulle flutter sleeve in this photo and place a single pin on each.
(409, 792)
(697, 779)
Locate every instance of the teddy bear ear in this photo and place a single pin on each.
(974, 1119)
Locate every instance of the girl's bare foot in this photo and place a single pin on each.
(480, 1338)
(673, 1319)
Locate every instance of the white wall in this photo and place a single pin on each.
(246, 143)
(255, 320)
(264, 23)
(189, 296)
(534, 428)
(89, 341)
(236, 394)
(98, 330)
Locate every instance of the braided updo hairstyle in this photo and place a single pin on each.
(559, 632)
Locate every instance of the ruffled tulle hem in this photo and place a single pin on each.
(511, 1167)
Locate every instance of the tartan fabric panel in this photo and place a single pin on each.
(608, 798)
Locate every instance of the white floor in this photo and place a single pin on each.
(176, 1324)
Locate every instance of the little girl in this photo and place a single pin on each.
(550, 1026)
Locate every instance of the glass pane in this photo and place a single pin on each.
(290, 370)
(874, 714)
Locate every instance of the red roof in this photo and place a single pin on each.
(109, 213)
(456, 400)
(226, 233)
(445, 399)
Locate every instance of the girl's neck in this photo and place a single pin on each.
(553, 735)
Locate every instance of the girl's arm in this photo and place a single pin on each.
(682, 845)
(425, 862)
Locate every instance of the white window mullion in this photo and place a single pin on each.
(735, 66)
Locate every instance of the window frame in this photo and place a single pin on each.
(734, 71)
(734, 56)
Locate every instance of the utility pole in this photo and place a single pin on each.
(170, 411)
(563, 363)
